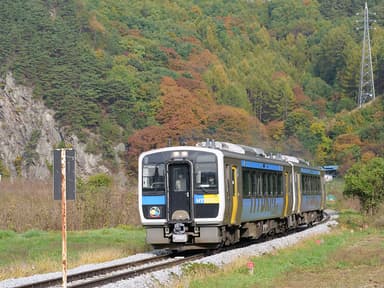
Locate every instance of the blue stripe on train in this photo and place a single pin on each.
(154, 200)
(261, 208)
(260, 165)
(310, 171)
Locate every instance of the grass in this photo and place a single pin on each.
(312, 263)
(32, 252)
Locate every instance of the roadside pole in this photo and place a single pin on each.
(64, 188)
(64, 216)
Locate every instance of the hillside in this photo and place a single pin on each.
(279, 74)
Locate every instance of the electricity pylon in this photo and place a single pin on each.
(367, 85)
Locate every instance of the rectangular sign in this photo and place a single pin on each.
(70, 174)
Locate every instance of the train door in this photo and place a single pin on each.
(288, 193)
(228, 193)
(298, 192)
(323, 192)
(179, 193)
(235, 195)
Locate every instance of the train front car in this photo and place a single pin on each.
(181, 199)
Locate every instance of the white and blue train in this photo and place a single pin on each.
(215, 193)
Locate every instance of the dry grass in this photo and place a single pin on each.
(98, 256)
(26, 205)
(15, 270)
(357, 265)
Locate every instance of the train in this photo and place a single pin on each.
(216, 193)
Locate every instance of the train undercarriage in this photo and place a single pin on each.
(187, 236)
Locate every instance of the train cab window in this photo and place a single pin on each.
(153, 178)
(206, 174)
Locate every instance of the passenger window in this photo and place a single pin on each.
(265, 184)
(279, 184)
(247, 188)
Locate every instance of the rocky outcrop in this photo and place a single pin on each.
(29, 133)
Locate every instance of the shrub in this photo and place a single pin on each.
(366, 182)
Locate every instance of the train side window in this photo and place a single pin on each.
(313, 183)
(312, 186)
(318, 185)
(254, 184)
(304, 185)
(247, 187)
(270, 184)
(309, 185)
(262, 189)
(265, 184)
(279, 184)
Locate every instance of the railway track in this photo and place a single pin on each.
(114, 273)
(110, 274)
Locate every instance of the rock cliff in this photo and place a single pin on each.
(29, 133)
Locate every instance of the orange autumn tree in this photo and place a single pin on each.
(181, 110)
(181, 115)
(226, 123)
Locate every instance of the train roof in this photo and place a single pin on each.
(251, 151)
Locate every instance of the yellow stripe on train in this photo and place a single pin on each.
(207, 199)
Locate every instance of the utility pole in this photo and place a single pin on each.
(367, 85)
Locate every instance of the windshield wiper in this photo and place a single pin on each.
(203, 189)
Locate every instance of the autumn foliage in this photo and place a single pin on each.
(189, 117)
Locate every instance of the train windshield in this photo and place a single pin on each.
(204, 171)
(206, 174)
(153, 178)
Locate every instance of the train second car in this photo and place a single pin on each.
(216, 193)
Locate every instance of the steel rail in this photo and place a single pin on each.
(92, 273)
(107, 279)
